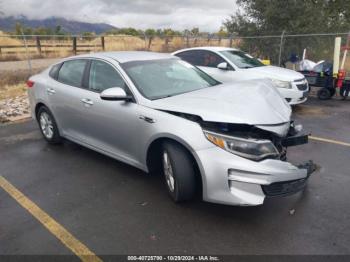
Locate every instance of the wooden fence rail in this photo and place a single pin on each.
(39, 46)
(43, 45)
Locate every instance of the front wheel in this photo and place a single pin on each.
(179, 172)
(48, 126)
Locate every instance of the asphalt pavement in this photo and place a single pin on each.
(113, 208)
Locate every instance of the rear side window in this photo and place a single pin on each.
(54, 71)
(192, 57)
(71, 72)
(201, 58)
(104, 76)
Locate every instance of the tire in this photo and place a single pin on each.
(324, 94)
(179, 172)
(332, 92)
(48, 126)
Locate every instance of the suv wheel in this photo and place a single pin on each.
(48, 126)
(179, 172)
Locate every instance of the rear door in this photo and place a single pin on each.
(208, 62)
(64, 96)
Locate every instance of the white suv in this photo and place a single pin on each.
(229, 64)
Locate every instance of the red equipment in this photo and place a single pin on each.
(340, 77)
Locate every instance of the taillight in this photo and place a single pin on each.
(30, 83)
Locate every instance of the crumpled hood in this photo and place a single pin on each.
(275, 72)
(253, 102)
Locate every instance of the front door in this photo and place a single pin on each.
(110, 126)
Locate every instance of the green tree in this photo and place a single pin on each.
(271, 17)
(195, 31)
(88, 36)
(58, 31)
(222, 32)
(150, 32)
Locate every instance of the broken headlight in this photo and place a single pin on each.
(253, 149)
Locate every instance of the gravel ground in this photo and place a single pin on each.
(14, 108)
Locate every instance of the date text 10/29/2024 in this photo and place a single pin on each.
(174, 258)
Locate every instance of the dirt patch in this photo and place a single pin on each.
(306, 110)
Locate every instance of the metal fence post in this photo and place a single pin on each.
(166, 43)
(27, 53)
(231, 40)
(281, 47)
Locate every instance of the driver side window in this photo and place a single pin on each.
(202, 58)
(103, 76)
(211, 59)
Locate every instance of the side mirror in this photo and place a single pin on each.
(115, 94)
(223, 66)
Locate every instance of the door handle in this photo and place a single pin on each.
(50, 91)
(87, 101)
(147, 119)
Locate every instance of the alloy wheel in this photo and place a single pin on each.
(46, 125)
(168, 172)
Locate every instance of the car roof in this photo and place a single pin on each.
(208, 48)
(126, 56)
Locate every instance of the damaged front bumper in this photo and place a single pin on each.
(233, 180)
(286, 188)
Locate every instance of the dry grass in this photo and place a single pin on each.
(11, 91)
(15, 77)
(112, 43)
(12, 84)
(8, 40)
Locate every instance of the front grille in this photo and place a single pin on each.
(299, 80)
(284, 188)
(302, 87)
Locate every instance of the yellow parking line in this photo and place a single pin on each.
(329, 141)
(54, 227)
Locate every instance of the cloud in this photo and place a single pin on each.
(205, 14)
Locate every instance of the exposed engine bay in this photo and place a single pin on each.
(292, 138)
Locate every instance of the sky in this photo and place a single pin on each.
(208, 15)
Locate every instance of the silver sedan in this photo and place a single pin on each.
(163, 115)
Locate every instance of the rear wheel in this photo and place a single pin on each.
(48, 126)
(324, 94)
(179, 172)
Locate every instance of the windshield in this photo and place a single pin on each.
(162, 78)
(241, 59)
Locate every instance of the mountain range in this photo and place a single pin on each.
(7, 24)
